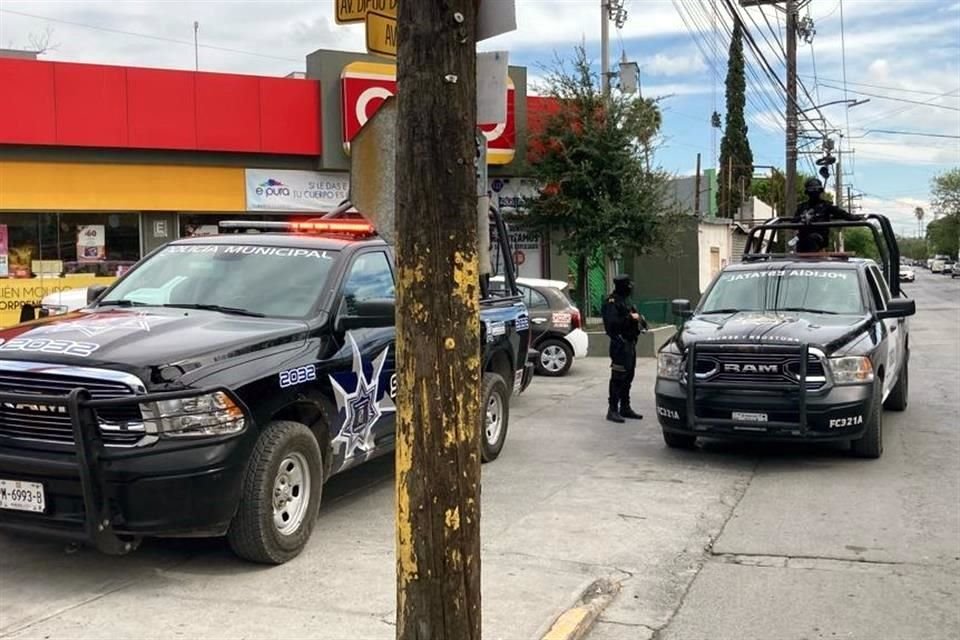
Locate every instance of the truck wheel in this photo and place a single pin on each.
(496, 416)
(280, 496)
(679, 440)
(871, 444)
(555, 359)
(897, 400)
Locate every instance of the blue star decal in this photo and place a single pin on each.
(359, 408)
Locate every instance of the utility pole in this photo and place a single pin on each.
(605, 47)
(438, 323)
(196, 45)
(696, 190)
(790, 197)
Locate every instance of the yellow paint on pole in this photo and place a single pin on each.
(381, 34)
(350, 11)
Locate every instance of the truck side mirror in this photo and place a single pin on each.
(898, 308)
(94, 292)
(681, 308)
(366, 314)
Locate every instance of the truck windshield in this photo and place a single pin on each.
(832, 291)
(242, 279)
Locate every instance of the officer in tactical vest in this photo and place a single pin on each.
(816, 209)
(623, 325)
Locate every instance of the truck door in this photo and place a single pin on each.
(894, 329)
(365, 387)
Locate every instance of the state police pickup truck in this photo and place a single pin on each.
(790, 347)
(216, 387)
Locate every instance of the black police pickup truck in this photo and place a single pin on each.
(216, 387)
(790, 347)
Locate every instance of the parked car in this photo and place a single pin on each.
(556, 324)
(955, 271)
(907, 274)
(948, 267)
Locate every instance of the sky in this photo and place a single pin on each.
(904, 55)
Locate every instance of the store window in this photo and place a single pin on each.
(207, 224)
(58, 244)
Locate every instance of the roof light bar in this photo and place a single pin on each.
(352, 227)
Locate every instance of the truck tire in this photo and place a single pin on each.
(280, 496)
(496, 416)
(679, 440)
(897, 400)
(870, 445)
(556, 357)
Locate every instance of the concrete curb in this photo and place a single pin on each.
(576, 622)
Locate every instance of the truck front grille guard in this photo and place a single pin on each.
(98, 525)
(800, 387)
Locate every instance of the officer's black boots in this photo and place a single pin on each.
(627, 412)
(613, 416)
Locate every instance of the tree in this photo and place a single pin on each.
(943, 235)
(771, 189)
(913, 248)
(591, 156)
(438, 324)
(736, 158)
(946, 193)
(860, 241)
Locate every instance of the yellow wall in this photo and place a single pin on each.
(56, 186)
(14, 292)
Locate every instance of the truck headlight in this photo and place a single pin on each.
(851, 370)
(669, 365)
(211, 414)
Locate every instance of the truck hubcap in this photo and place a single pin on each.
(494, 419)
(291, 493)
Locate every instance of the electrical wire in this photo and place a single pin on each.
(900, 110)
(923, 134)
(843, 57)
(919, 103)
(877, 86)
(147, 35)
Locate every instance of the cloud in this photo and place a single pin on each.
(675, 65)
(900, 211)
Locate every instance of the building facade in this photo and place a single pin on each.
(99, 165)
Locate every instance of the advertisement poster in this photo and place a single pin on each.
(4, 252)
(510, 194)
(91, 243)
(288, 190)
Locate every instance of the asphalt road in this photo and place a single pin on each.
(725, 542)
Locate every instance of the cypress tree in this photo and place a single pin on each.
(735, 147)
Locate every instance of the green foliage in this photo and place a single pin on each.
(913, 248)
(592, 158)
(860, 241)
(945, 193)
(771, 189)
(943, 235)
(735, 146)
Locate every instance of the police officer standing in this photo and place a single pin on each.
(816, 209)
(623, 325)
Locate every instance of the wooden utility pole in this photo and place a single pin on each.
(696, 190)
(790, 196)
(438, 323)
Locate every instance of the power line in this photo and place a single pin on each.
(877, 86)
(923, 134)
(928, 103)
(189, 43)
(843, 56)
(900, 110)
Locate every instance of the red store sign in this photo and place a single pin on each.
(365, 85)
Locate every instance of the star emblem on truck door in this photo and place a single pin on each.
(359, 408)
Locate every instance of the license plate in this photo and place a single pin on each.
(22, 496)
(749, 417)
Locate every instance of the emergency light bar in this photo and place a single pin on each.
(349, 227)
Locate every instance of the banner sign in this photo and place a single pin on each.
(91, 243)
(288, 190)
(4, 252)
(365, 85)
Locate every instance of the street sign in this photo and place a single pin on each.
(381, 34)
(373, 174)
(350, 11)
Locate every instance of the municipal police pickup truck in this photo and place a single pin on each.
(216, 387)
(790, 347)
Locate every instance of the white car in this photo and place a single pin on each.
(556, 324)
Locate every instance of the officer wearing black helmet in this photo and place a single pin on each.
(816, 209)
(623, 325)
